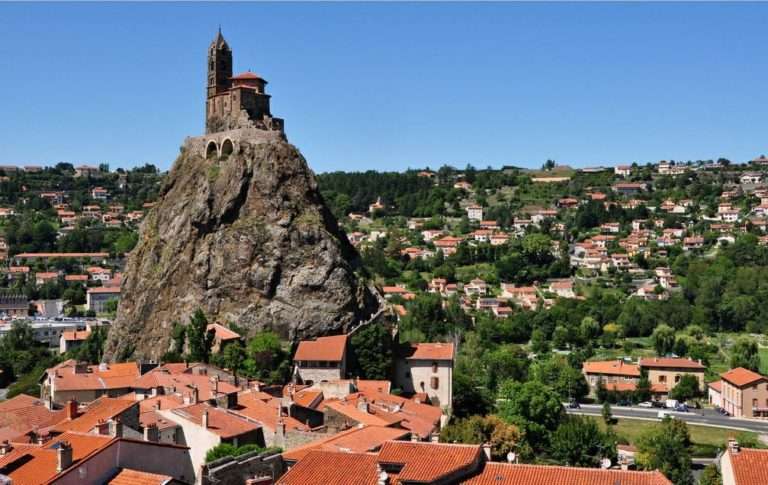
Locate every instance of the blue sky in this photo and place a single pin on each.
(393, 85)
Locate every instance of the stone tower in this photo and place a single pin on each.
(219, 66)
(235, 102)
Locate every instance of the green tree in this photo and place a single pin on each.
(233, 356)
(663, 338)
(578, 441)
(265, 358)
(532, 406)
(372, 352)
(686, 388)
(470, 397)
(744, 353)
(666, 447)
(199, 339)
(92, 349)
(500, 435)
(710, 476)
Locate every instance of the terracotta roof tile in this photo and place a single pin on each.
(506, 474)
(113, 376)
(328, 349)
(331, 468)
(100, 410)
(611, 367)
(222, 332)
(354, 440)
(428, 462)
(432, 351)
(263, 408)
(741, 377)
(750, 466)
(134, 477)
(220, 421)
(675, 362)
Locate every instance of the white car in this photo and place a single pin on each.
(646, 404)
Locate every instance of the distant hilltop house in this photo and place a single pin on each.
(235, 101)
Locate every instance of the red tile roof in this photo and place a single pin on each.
(111, 376)
(183, 382)
(327, 349)
(22, 414)
(716, 386)
(750, 466)
(741, 377)
(100, 410)
(331, 468)
(354, 440)
(432, 351)
(246, 76)
(134, 477)
(263, 408)
(611, 367)
(428, 462)
(506, 474)
(673, 362)
(222, 333)
(220, 421)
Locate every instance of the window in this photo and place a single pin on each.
(754, 403)
(677, 379)
(662, 378)
(434, 366)
(434, 382)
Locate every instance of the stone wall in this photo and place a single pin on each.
(235, 471)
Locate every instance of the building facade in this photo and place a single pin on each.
(427, 369)
(744, 394)
(235, 101)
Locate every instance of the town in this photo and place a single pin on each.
(561, 325)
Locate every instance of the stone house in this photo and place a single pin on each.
(665, 372)
(322, 359)
(427, 368)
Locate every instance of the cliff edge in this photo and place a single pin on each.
(240, 230)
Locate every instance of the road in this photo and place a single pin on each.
(703, 417)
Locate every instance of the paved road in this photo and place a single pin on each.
(704, 417)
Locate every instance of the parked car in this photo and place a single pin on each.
(682, 408)
(657, 404)
(574, 404)
(646, 404)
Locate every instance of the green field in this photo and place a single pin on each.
(706, 440)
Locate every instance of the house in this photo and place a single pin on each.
(427, 368)
(743, 466)
(744, 394)
(629, 188)
(448, 244)
(104, 416)
(98, 273)
(362, 439)
(75, 458)
(476, 287)
(72, 339)
(562, 288)
(86, 171)
(222, 336)
(23, 414)
(404, 462)
(45, 277)
(616, 375)
(715, 393)
(74, 381)
(376, 206)
(99, 193)
(96, 299)
(693, 242)
(567, 203)
(13, 304)
(623, 170)
(666, 372)
(475, 213)
(322, 359)
(462, 185)
(610, 228)
(204, 426)
(750, 178)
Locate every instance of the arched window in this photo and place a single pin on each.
(211, 150)
(227, 148)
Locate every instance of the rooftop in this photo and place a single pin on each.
(328, 349)
(506, 474)
(674, 362)
(611, 367)
(432, 351)
(741, 377)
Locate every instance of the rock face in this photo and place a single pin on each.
(246, 237)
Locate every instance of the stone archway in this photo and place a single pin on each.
(227, 147)
(211, 150)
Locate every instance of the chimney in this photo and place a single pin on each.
(151, 433)
(5, 448)
(115, 428)
(215, 386)
(63, 456)
(487, 451)
(733, 445)
(414, 437)
(205, 419)
(71, 409)
(157, 405)
(381, 476)
(194, 395)
(49, 402)
(362, 405)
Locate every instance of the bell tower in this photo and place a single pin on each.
(219, 66)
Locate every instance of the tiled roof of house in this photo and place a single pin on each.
(716, 386)
(741, 377)
(23, 413)
(368, 385)
(354, 440)
(263, 408)
(427, 462)
(104, 289)
(350, 410)
(331, 468)
(35, 465)
(126, 476)
(432, 351)
(111, 376)
(750, 466)
(674, 362)
(99, 411)
(611, 367)
(183, 382)
(507, 474)
(75, 335)
(225, 424)
(328, 349)
(222, 332)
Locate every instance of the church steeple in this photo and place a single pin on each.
(219, 65)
